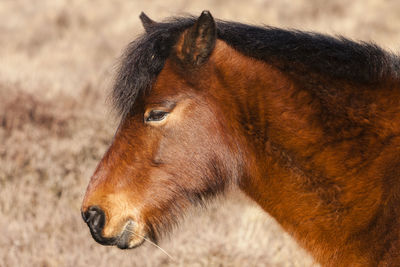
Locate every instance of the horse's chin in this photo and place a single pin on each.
(122, 244)
(128, 239)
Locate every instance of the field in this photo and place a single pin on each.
(57, 63)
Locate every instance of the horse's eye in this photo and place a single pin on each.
(156, 115)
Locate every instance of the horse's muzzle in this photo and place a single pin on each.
(95, 219)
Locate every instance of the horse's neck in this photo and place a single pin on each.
(329, 193)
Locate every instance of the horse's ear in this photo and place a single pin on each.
(147, 22)
(197, 43)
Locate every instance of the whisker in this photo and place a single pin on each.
(151, 242)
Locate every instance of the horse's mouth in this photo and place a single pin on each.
(127, 239)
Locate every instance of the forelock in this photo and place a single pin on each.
(143, 60)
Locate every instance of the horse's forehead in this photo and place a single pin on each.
(168, 82)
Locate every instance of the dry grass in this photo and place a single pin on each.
(57, 62)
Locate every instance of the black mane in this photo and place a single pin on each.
(291, 51)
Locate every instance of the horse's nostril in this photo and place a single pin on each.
(95, 218)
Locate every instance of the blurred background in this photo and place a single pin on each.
(57, 63)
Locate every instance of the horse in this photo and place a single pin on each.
(307, 125)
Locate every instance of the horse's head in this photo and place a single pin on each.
(174, 147)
